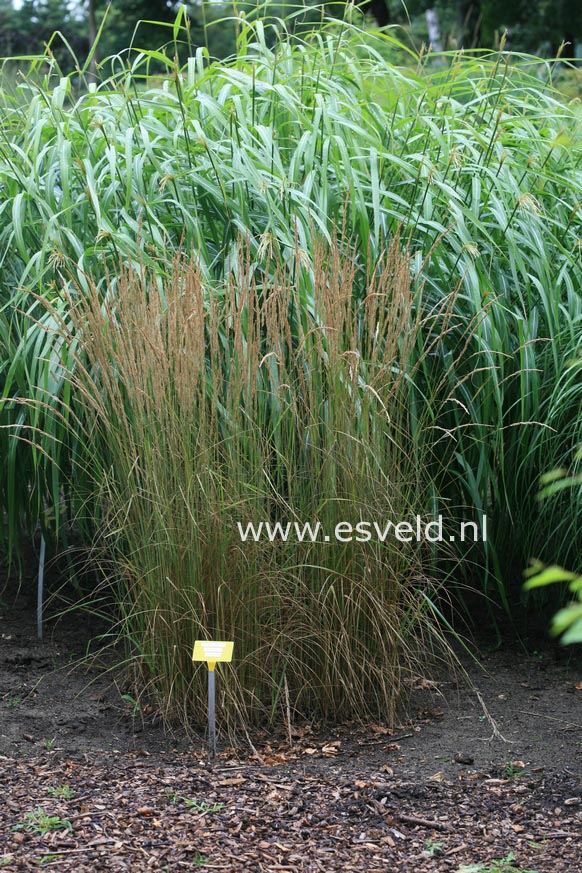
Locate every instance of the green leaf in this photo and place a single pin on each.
(550, 575)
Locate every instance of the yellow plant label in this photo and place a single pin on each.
(212, 651)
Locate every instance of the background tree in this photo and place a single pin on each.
(11, 41)
(37, 22)
(122, 18)
(538, 28)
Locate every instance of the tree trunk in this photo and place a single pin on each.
(434, 30)
(92, 31)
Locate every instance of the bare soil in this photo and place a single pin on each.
(476, 774)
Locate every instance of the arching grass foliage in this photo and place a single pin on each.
(473, 160)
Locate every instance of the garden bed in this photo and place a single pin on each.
(90, 782)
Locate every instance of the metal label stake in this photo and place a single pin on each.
(212, 709)
(212, 651)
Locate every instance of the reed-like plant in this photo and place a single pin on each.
(477, 160)
(205, 405)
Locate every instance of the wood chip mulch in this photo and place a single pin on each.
(129, 813)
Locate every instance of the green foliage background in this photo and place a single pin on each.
(471, 161)
(539, 28)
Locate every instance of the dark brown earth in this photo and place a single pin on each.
(482, 779)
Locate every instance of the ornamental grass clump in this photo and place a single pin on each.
(205, 406)
(478, 161)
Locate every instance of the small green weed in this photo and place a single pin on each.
(13, 702)
(49, 744)
(39, 821)
(196, 805)
(513, 770)
(503, 865)
(435, 850)
(64, 791)
(202, 806)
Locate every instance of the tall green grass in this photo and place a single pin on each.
(477, 162)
